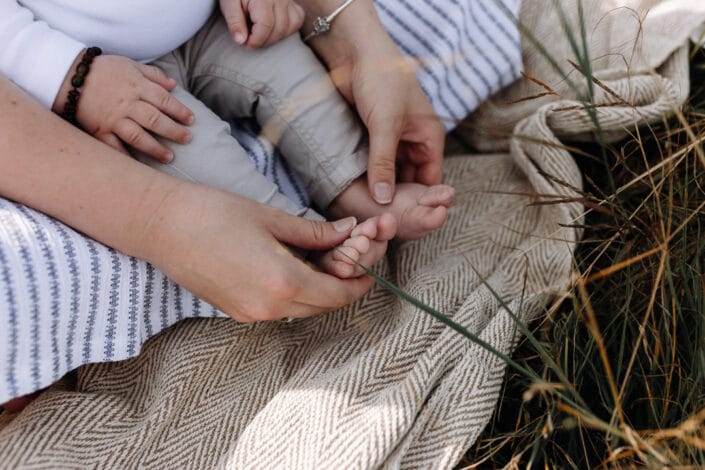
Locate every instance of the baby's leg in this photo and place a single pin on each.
(289, 92)
(214, 158)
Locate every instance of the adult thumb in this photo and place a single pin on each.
(381, 168)
(311, 234)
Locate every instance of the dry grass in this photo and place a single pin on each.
(631, 339)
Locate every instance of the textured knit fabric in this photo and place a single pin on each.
(377, 384)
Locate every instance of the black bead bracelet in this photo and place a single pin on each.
(77, 81)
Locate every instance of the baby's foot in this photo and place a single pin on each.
(418, 208)
(366, 245)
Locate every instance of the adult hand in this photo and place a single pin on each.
(230, 252)
(122, 101)
(271, 20)
(406, 136)
(224, 248)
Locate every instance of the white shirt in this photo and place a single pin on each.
(40, 39)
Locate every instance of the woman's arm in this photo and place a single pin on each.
(371, 73)
(55, 168)
(223, 248)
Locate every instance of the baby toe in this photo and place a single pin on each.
(334, 267)
(387, 227)
(346, 254)
(342, 270)
(359, 243)
(368, 228)
(434, 218)
(439, 195)
(418, 221)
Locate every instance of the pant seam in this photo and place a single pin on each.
(263, 89)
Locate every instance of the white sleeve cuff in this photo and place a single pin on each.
(38, 59)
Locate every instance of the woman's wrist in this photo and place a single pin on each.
(355, 32)
(158, 234)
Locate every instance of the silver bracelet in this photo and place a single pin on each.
(322, 24)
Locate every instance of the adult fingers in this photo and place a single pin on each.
(166, 103)
(423, 140)
(235, 19)
(262, 18)
(385, 132)
(431, 171)
(426, 151)
(407, 171)
(322, 293)
(296, 17)
(309, 234)
(157, 76)
(281, 23)
(295, 289)
(151, 118)
(135, 136)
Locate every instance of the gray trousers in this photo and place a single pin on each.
(288, 91)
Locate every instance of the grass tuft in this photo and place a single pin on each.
(631, 338)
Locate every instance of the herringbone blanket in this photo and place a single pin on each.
(380, 383)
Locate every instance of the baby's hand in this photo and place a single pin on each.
(122, 101)
(271, 20)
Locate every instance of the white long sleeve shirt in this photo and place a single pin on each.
(40, 39)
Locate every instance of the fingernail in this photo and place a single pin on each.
(239, 38)
(383, 193)
(191, 119)
(344, 225)
(169, 157)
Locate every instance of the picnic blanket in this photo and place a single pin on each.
(380, 383)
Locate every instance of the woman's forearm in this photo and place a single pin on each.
(57, 169)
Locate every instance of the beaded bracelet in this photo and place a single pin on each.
(77, 80)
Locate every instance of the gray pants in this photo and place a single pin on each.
(288, 91)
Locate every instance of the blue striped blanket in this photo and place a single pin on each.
(67, 300)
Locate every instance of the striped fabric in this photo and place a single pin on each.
(465, 49)
(66, 300)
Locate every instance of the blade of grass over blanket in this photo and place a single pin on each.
(577, 401)
(531, 338)
(446, 321)
(584, 66)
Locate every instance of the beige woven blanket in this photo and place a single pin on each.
(380, 383)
